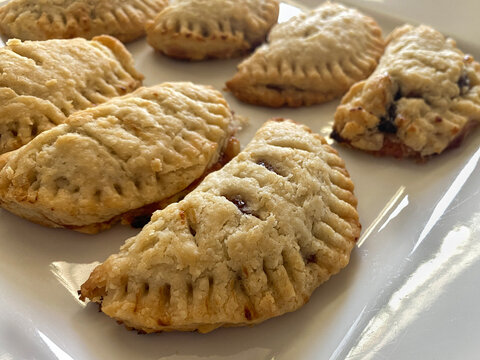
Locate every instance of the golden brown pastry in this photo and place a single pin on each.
(252, 241)
(123, 157)
(312, 58)
(66, 19)
(423, 98)
(43, 82)
(200, 29)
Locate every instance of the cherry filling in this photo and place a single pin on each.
(397, 96)
(248, 314)
(240, 204)
(266, 165)
(275, 87)
(140, 221)
(387, 123)
(336, 136)
(311, 259)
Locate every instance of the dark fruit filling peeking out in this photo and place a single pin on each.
(387, 123)
(240, 204)
(266, 165)
(140, 221)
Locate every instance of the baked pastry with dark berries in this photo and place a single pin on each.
(423, 98)
(251, 242)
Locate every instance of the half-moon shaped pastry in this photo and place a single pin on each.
(251, 242)
(312, 58)
(66, 19)
(200, 29)
(121, 157)
(43, 82)
(423, 98)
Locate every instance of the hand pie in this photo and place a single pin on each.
(252, 241)
(43, 82)
(65, 19)
(117, 158)
(310, 59)
(200, 29)
(422, 99)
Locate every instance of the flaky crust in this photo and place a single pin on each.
(65, 19)
(43, 82)
(251, 242)
(200, 29)
(119, 156)
(310, 59)
(423, 98)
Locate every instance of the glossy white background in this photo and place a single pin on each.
(410, 292)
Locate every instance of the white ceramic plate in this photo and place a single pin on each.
(410, 292)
